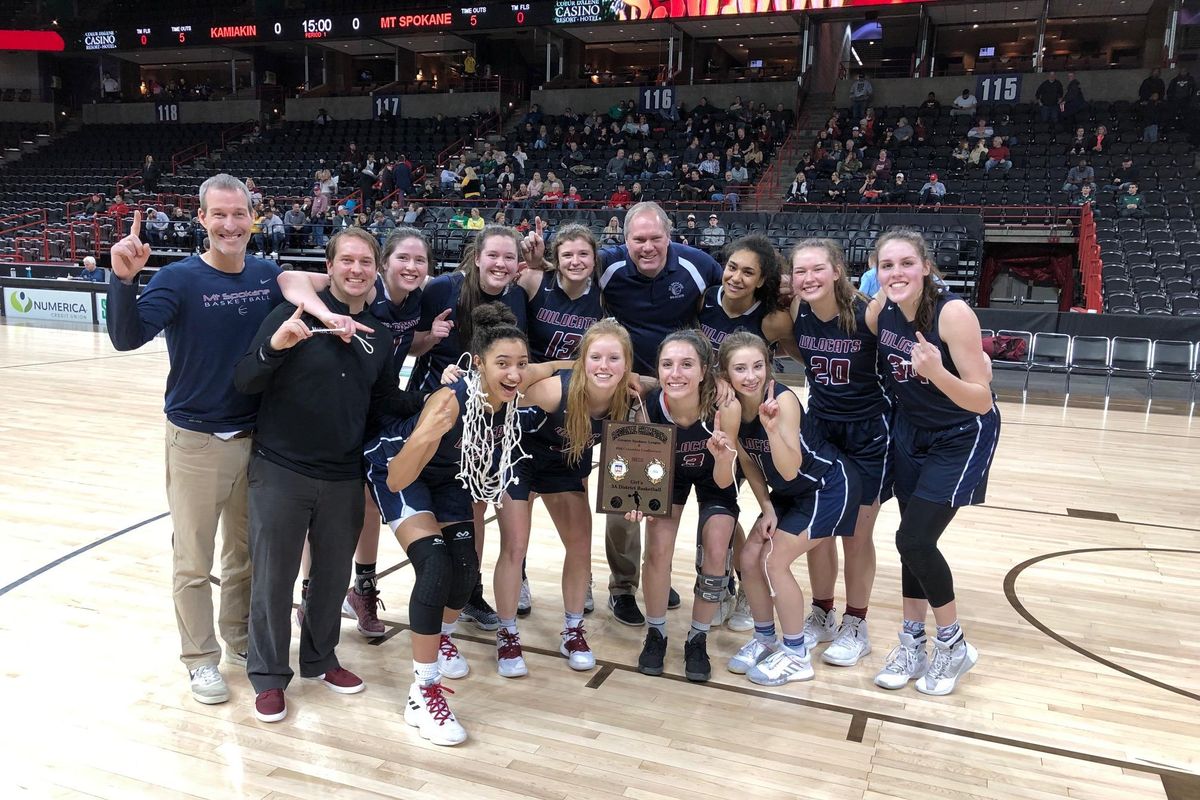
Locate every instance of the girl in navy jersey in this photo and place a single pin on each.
(747, 299)
(415, 468)
(686, 398)
(576, 402)
(847, 408)
(812, 496)
(485, 275)
(563, 302)
(945, 434)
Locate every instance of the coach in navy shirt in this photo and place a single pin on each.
(210, 307)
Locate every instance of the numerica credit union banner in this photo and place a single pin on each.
(47, 304)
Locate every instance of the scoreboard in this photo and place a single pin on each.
(456, 17)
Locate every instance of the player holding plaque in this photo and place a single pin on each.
(686, 399)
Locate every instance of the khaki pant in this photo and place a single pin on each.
(206, 483)
(623, 546)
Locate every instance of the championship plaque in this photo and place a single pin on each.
(637, 464)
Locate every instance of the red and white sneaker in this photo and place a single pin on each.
(270, 706)
(342, 681)
(365, 609)
(510, 661)
(428, 712)
(575, 647)
(451, 663)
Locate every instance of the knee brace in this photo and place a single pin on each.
(710, 587)
(431, 562)
(460, 538)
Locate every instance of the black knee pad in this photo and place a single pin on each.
(433, 567)
(460, 538)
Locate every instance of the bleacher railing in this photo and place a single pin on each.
(187, 155)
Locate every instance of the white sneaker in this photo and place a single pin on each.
(589, 604)
(741, 619)
(208, 686)
(510, 661)
(525, 601)
(907, 661)
(782, 666)
(428, 712)
(451, 663)
(950, 662)
(724, 609)
(819, 626)
(575, 648)
(275, 255)
(751, 654)
(851, 643)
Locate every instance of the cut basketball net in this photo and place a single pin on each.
(480, 448)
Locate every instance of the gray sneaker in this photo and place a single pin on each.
(208, 686)
(751, 653)
(851, 643)
(589, 604)
(949, 663)
(819, 626)
(481, 615)
(234, 659)
(907, 661)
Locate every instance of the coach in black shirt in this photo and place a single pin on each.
(319, 394)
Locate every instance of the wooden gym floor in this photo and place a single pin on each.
(1077, 582)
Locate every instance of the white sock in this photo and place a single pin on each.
(426, 673)
(448, 628)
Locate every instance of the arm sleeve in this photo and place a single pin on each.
(253, 372)
(133, 320)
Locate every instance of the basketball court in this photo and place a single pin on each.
(1077, 581)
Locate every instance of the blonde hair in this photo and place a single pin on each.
(743, 339)
(843, 291)
(931, 289)
(577, 419)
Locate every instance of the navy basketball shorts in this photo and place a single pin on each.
(444, 498)
(947, 465)
(708, 494)
(549, 473)
(829, 510)
(864, 445)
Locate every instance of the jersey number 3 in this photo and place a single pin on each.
(830, 371)
(903, 371)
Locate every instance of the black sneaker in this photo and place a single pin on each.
(696, 665)
(480, 613)
(625, 611)
(673, 601)
(650, 662)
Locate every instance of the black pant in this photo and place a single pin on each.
(285, 507)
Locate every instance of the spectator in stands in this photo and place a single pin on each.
(256, 196)
(897, 193)
(150, 175)
(1180, 92)
(978, 154)
(868, 283)
(156, 224)
(1085, 198)
(519, 155)
(836, 191)
(1079, 144)
(572, 198)
(95, 205)
(666, 166)
(738, 172)
(520, 196)
(1097, 143)
(110, 88)
(710, 166)
(960, 157)
(636, 193)
(475, 222)
(903, 134)
(692, 187)
(1048, 95)
(1130, 203)
(318, 214)
(1073, 103)
(296, 223)
(620, 198)
(933, 191)
(458, 220)
(997, 156)
(1077, 176)
(472, 186)
(689, 234)
(871, 190)
(981, 130)
(861, 92)
(728, 191)
(964, 105)
(181, 229)
(117, 207)
(553, 196)
(1154, 115)
(634, 166)
(1124, 175)
(1152, 85)
(883, 166)
(713, 236)
(612, 235)
(90, 273)
(930, 106)
(322, 117)
(382, 224)
(616, 165)
(273, 232)
(506, 177)
(798, 191)
(850, 165)
(534, 115)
